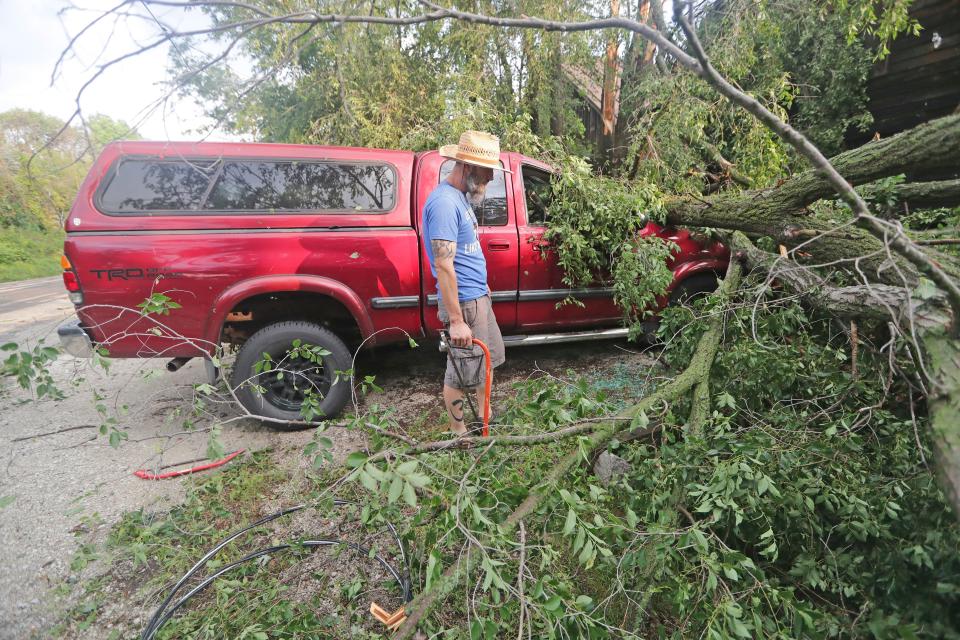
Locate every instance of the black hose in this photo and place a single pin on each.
(163, 614)
(262, 552)
(148, 631)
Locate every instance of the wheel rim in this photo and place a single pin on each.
(297, 375)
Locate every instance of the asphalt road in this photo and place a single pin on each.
(15, 296)
(31, 309)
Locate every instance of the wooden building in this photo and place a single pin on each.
(920, 79)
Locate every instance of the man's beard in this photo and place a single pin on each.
(476, 192)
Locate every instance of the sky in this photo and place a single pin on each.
(33, 33)
(32, 36)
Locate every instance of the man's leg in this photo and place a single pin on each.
(458, 410)
(455, 402)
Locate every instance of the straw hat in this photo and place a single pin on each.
(477, 148)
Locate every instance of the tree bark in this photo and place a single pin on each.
(781, 212)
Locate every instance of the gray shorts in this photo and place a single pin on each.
(478, 314)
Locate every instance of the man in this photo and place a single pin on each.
(456, 260)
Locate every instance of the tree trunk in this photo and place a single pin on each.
(782, 212)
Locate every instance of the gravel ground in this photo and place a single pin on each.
(69, 488)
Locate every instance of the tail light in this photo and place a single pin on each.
(71, 281)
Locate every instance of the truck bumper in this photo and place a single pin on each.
(74, 339)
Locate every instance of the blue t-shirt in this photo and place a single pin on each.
(448, 216)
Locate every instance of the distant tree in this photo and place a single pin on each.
(40, 171)
(103, 129)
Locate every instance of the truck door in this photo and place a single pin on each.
(541, 285)
(497, 233)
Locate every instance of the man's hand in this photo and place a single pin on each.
(460, 334)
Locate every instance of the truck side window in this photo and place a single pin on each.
(493, 211)
(305, 186)
(536, 191)
(145, 185)
(155, 185)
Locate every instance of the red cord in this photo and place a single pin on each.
(146, 475)
(486, 400)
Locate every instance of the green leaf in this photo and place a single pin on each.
(6, 501)
(396, 486)
(418, 480)
(356, 459)
(432, 562)
(926, 289)
(640, 421)
(409, 494)
(378, 474)
(570, 523)
(586, 553)
(762, 485)
(367, 481)
(407, 468)
(700, 541)
(739, 629)
(553, 604)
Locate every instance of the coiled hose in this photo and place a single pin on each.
(165, 611)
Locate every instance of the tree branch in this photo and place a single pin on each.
(892, 235)
(877, 302)
(918, 195)
(470, 442)
(698, 368)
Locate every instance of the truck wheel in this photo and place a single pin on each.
(693, 288)
(688, 290)
(285, 380)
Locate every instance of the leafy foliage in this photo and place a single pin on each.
(384, 85)
(40, 173)
(30, 366)
(803, 59)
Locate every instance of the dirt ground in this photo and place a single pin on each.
(69, 488)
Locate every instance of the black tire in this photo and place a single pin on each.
(282, 398)
(687, 291)
(694, 287)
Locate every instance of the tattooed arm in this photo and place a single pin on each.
(443, 253)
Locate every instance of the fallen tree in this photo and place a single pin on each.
(784, 212)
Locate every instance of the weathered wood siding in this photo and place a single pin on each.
(920, 79)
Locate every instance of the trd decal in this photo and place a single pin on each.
(135, 274)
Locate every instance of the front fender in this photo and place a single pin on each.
(684, 270)
(283, 283)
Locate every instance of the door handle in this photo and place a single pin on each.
(498, 246)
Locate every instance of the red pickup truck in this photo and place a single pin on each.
(262, 244)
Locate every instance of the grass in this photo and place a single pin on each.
(29, 253)
(297, 594)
